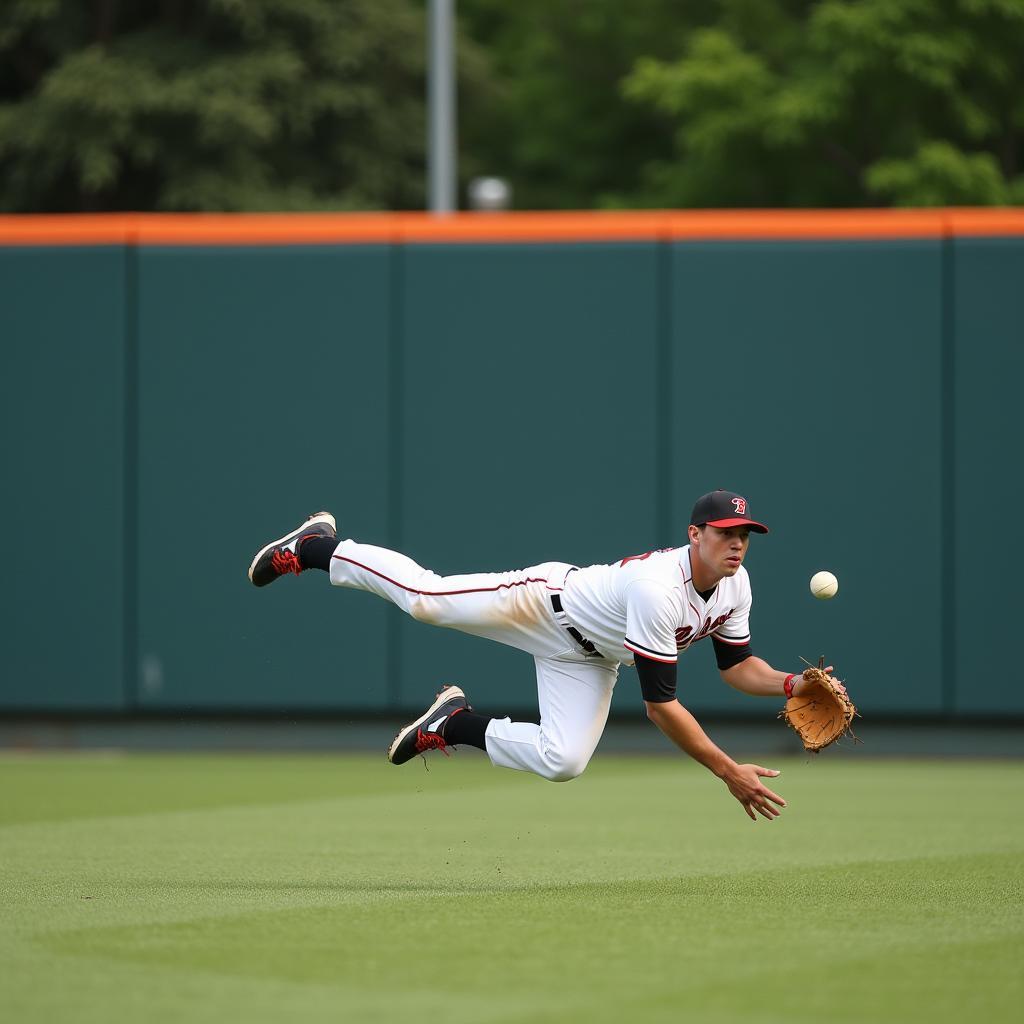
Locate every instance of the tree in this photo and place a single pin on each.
(555, 122)
(212, 104)
(320, 104)
(842, 103)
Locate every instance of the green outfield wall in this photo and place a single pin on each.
(168, 408)
(66, 478)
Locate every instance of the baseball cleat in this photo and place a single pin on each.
(282, 555)
(427, 732)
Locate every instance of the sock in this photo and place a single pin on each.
(315, 552)
(466, 727)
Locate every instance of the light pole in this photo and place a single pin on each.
(441, 171)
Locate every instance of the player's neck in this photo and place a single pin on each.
(703, 579)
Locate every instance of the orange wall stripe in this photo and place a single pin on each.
(568, 226)
(80, 229)
(986, 220)
(807, 224)
(558, 226)
(266, 229)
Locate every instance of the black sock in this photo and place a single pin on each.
(466, 727)
(315, 553)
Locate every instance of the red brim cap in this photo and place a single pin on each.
(723, 524)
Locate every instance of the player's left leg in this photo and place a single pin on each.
(574, 694)
(448, 722)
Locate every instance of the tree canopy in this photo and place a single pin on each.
(211, 104)
(556, 123)
(320, 104)
(842, 103)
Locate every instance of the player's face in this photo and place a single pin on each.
(720, 551)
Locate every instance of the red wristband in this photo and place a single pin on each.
(787, 685)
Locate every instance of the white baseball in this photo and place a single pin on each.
(824, 585)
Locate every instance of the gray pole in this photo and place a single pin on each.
(441, 106)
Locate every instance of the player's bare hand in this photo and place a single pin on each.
(745, 784)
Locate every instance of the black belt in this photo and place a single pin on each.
(592, 651)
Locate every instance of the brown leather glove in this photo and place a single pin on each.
(822, 712)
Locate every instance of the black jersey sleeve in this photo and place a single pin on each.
(657, 679)
(728, 655)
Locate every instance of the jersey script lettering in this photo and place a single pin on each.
(683, 638)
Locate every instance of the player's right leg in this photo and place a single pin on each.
(511, 608)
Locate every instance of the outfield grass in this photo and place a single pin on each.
(314, 888)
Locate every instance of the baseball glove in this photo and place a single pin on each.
(822, 712)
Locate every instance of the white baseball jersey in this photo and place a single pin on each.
(646, 604)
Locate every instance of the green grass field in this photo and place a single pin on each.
(315, 888)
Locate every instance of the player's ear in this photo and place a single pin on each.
(693, 532)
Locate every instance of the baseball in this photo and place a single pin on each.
(824, 585)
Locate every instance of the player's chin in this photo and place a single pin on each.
(731, 568)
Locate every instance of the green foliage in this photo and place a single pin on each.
(211, 104)
(320, 104)
(556, 124)
(939, 174)
(842, 102)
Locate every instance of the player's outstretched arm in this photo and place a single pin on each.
(743, 780)
(755, 676)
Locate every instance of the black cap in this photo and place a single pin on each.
(723, 509)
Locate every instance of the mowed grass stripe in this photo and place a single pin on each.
(65, 787)
(638, 891)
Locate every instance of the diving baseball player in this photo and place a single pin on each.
(580, 625)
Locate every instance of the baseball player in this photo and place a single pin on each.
(580, 625)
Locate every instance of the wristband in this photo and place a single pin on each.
(787, 685)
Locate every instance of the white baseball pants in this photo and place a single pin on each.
(514, 608)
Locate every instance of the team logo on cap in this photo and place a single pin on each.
(740, 505)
